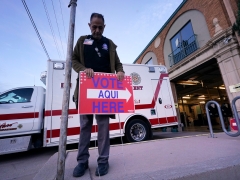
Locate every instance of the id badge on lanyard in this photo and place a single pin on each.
(88, 41)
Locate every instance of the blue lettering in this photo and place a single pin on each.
(120, 107)
(112, 106)
(114, 94)
(96, 107)
(112, 79)
(95, 83)
(107, 94)
(100, 94)
(102, 83)
(104, 107)
(119, 85)
(107, 107)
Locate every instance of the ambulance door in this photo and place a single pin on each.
(158, 99)
(17, 111)
(169, 104)
(57, 89)
(165, 104)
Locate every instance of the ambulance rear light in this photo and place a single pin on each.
(59, 66)
(43, 77)
(43, 74)
(151, 69)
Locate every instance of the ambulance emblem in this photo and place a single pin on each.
(20, 126)
(136, 79)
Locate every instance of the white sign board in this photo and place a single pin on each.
(234, 88)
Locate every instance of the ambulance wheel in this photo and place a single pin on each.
(137, 130)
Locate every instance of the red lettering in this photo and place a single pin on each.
(137, 87)
(5, 125)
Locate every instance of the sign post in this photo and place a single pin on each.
(104, 94)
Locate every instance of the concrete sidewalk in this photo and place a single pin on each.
(194, 157)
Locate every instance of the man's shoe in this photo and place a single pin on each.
(79, 170)
(102, 169)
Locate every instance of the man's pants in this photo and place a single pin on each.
(86, 122)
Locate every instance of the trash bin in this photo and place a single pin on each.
(233, 125)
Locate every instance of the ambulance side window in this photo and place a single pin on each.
(17, 96)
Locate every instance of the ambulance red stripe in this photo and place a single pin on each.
(4, 117)
(163, 120)
(59, 112)
(74, 111)
(55, 133)
(157, 90)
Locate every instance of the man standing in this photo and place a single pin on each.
(94, 53)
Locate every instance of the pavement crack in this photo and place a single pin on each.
(149, 176)
(90, 174)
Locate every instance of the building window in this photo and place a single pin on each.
(183, 43)
(149, 62)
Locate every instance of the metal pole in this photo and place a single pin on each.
(184, 112)
(219, 94)
(209, 118)
(66, 95)
(210, 97)
(201, 113)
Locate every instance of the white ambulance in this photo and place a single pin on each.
(30, 117)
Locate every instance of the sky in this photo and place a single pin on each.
(131, 24)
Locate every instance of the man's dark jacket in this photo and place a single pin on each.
(78, 60)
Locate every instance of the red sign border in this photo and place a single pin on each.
(132, 96)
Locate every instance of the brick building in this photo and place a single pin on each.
(201, 53)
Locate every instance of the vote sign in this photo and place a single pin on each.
(104, 94)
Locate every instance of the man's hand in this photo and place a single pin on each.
(120, 75)
(89, 72)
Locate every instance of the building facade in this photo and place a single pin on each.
(201, 52)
